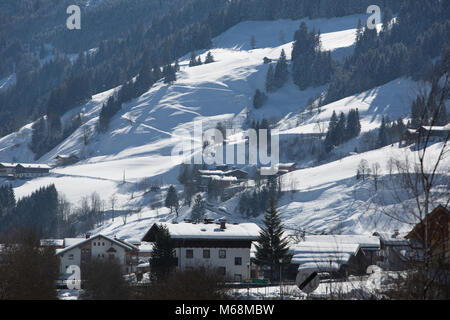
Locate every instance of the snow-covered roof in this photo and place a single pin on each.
(330, 251)
(68, 242)
(320, 252)
(243, 231)
(320, 266)
(83, 241)
(34, 165)
(26, 165)
(437, 128)
(234, 171)
(286, 165)
(52, 242)
(364, 241)
(8, 165)
(144, 265)
(392, 238)
(218, 178)
(66, 156)
(133, 241)
(211, 172)
(146, 247)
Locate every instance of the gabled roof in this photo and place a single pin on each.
(84, 241)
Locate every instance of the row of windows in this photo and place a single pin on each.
(207, 255)
(223, 272)
(98, 244)
(111, 256)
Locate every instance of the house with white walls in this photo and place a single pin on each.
(222, 246)
(81, 251)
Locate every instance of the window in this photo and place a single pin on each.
(95, 244)
(70, 256)
(238, 277)
(238, 261)
(222, 254)
(189, 254)
(103, 244)
(206, 254)
(222, 271)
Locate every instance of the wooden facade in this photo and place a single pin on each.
(438, 235)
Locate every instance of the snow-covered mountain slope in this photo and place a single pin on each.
(392, 100)
(328, 197)
(142, 135)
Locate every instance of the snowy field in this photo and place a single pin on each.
(354, 288)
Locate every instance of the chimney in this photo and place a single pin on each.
(88, 235)
(223, 224)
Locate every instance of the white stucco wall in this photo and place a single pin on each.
(215, 262)
(99, 247)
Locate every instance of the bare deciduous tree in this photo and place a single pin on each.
(420, 182)
(113, 201)
(363, 169)
(376, 174)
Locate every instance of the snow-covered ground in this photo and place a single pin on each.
(353, 288)
(143, 134)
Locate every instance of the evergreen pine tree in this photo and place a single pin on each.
(272, 247)
(169, 74)
(209, 58)
(270, 87)
(259, 99)
(331, 139)
(162, 258)
(340, 129)
(281, 71)
(193, 60)
(172, 200)
(198, 210)
(382, 134)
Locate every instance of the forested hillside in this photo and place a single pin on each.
(156, 35)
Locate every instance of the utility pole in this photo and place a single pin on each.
(281, 283)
